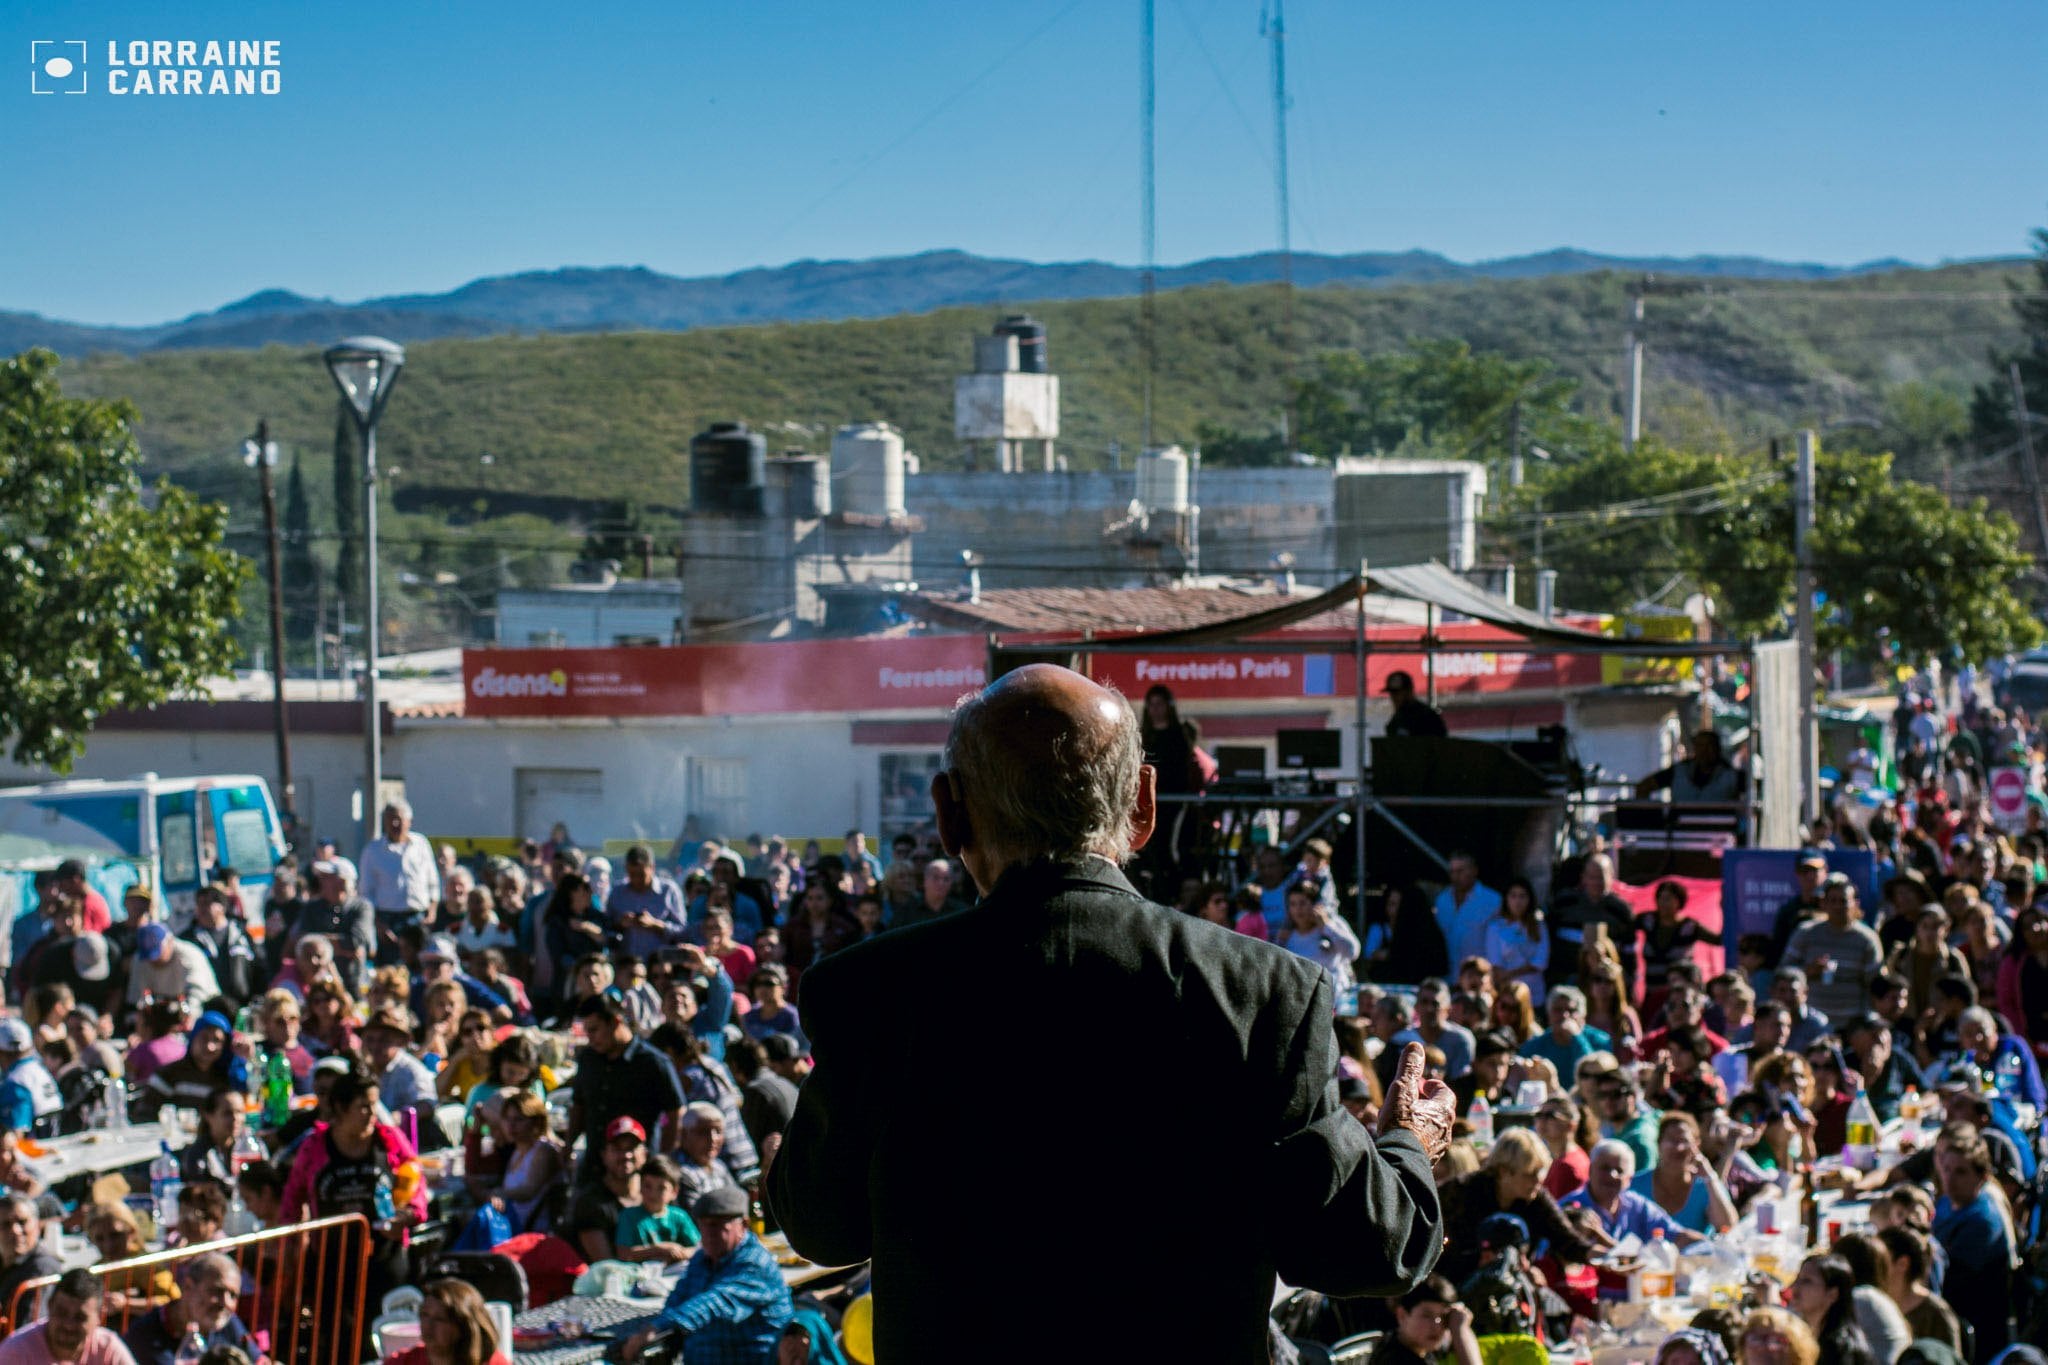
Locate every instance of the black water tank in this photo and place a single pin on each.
(728, 469)
(1030, 334)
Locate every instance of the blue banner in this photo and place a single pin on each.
(1756, 881)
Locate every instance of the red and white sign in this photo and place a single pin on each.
(931, 672)
(2009, 798)
(909, 673)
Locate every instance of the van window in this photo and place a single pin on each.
(88, 826)
(245, 841)
(178, 848)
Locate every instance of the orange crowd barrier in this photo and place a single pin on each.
(302, 1288)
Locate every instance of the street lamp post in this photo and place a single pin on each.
(260, 454)
(364, 369)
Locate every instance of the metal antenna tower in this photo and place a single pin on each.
(1273, 26)
(1147, 224)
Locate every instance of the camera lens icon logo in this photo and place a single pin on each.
(57, 66)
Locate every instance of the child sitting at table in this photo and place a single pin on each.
(202, 1214)
(116, 1233)
(657, 1230)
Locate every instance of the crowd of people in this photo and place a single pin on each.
(617, 1050)
(622, 1045)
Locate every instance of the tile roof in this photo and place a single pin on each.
(1098, 609)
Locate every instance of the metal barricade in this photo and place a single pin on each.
(303, 1288)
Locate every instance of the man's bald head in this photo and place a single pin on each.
(1048, 765)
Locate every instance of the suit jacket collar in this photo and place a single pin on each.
(1033, 882)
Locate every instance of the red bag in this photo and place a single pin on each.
(551, 1265)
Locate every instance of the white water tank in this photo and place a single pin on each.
(867, 469)
(1163, 480)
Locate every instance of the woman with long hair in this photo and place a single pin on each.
(1870, 1265)
(1823, 1294)
(1557, 1123)
(1512, 1010)
(455, 1328)
(330, 1029)
(1607, 1006)
(1683, 1182)
(572, 925)
(1403, 942)
(2022, 986)
(821, 924)
(1927, 1314)
(1516, 943)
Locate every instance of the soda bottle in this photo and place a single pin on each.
(1660, 1267)
(1480, 1118)
(277, 1089)
(248, 1148)
(1859, 1152)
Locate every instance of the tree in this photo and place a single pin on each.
(111, 595)
(1991, 413)
(1891, 555)
(301, 586)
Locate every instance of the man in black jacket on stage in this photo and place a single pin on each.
(1117, 1121)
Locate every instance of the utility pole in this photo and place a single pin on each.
(1147, 226)
(262, 452)
(1634, 431)
(1515, 444)
(2027, 465)
(1802, 608)
(1276, 30)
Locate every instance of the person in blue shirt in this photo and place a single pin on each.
(440, 961)
(1569, 1040)
(731, 1303)
(1466, 909)
(1610, 1172)
(2008, 1060)
(1972, 1229)
(1683, 1176)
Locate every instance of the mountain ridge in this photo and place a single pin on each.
(572, 299)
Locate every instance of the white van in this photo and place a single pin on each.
(173, 833)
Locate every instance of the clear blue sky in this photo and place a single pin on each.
(418, 144)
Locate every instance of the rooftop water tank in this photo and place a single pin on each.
(867, 465)
(1163, 480)
(805, 485)
(1030, 334)
(728, 469)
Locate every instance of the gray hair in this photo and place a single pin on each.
(697, 1113)
(1073, 797)
(399, 804)
(211, 1267)
(1981, 1017)
(1569, 995)
(1612, 1147)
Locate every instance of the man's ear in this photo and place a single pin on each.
(1145, 815)
(949, 806)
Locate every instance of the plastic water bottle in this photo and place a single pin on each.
(117, 1105)
(2007, 1080)
(1660, 1267)
(1480, 1119)
(1859, 1152)
(164, 1185)
(386, 1207)
(192, 1349)
(277, 1089)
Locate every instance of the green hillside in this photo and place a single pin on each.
(570, 420)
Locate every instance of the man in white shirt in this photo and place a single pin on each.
(1465, 910)
(167, 967)
(400, 877)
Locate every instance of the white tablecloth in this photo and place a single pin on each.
(99, 1151)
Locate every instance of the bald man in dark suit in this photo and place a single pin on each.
(1115, 1121)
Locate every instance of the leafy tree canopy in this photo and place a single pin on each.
(110, 596)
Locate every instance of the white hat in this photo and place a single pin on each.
(15, 1037)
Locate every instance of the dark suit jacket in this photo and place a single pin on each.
(1068, 1124)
